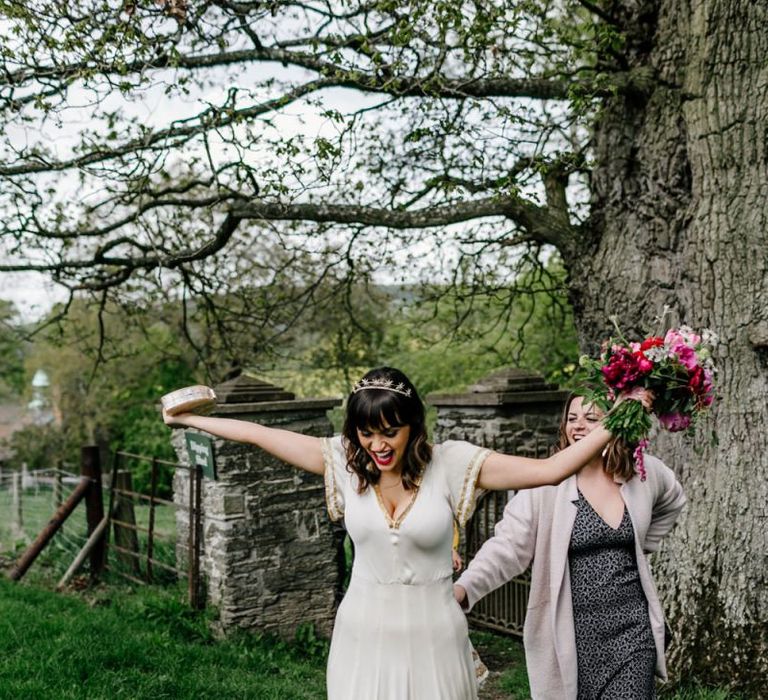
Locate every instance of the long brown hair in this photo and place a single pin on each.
(373, 409)
(618, 457)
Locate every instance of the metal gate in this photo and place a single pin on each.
(503, 610)
(145, 547)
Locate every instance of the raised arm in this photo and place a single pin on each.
(508, 472)
(302, 451)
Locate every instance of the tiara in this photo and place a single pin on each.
(381, 383)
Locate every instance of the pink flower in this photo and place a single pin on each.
(674, 422)
(672, 337)
(685, 354)
(643, 363)
(684, 335)
(639, 458)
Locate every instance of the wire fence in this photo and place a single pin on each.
(127, 533)
(28, 499)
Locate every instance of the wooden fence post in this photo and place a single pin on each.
(123, 512)
(90, 467)
(17, 525)
(195, 532)
(151, 533)
(58, 485)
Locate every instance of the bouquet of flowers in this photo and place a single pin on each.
(678, 369)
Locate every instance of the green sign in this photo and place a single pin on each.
(200, 450)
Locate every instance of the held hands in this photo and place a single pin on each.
(638, 393)
(456, 560)
(460, 594)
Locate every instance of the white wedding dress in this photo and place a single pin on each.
(399, 633)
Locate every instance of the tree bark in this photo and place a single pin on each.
(679, 218)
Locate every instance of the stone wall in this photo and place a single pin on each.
(271, 558)
(512, 411)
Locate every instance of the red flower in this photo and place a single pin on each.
(651, 342)
(622, 370)
(696, 380)
(643, 363)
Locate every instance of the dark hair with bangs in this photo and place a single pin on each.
(618, 458)
(373, 409)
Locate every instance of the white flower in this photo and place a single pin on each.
(709, 337)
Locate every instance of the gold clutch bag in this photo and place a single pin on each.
(190, 399)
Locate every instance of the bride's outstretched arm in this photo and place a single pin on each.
(302, 451)
(508, 472)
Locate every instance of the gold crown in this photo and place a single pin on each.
(381, 383)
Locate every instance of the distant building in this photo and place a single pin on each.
(40, 407)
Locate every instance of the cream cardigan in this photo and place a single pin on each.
(536, 528)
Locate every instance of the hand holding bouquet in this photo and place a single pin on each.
(677, 368)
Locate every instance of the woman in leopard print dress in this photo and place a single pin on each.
(594, 629)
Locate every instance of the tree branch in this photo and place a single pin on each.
(213, 118)
(539, 223)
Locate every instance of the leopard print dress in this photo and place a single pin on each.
(615, 648)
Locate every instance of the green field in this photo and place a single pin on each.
(37, 508)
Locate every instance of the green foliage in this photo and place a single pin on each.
(309, 644)
(443, 338)
(11, 352)
(107, 389)
(462, 335)
(108, 392)
(38, 446)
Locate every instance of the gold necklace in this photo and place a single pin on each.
(391, 486)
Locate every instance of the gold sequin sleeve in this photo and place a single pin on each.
(333, 474)
(461, 463)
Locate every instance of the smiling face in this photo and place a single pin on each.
(385, 445)
(581, 419)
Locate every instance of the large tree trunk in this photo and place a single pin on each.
(680, 215)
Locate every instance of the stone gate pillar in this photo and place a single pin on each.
(516, 412)
(271, 558)
(511, 410)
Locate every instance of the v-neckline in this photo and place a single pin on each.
(602, 519)
(394, 523)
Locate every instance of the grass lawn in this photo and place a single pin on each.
(119, 643)
(116, 642)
